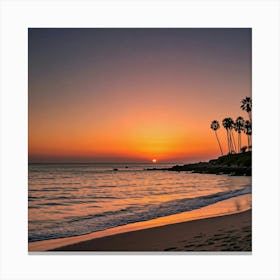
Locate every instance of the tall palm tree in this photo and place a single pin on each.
(248, 132)
(215, 126)
(228, 124)
(246, 105)
(239, 126)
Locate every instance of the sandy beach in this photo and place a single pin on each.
(224, 233)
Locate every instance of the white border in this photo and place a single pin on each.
(17, 16)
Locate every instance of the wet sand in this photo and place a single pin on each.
(224, 233)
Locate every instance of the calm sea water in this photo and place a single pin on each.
(73, 199)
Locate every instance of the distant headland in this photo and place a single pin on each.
(232, 164)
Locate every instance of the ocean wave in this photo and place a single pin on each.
(45, 190)
(108, 219)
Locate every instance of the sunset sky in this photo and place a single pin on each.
(132, 95)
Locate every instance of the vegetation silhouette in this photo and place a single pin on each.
(215, 126)
(228, 124)
(240, 125)
(246, 105)
(248, 132)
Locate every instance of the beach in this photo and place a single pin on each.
(224, 233)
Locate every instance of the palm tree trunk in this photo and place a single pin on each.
(250, 137)
(239, 142)
(219, 142)
(233, 141)
(230, 142)
(229, 150)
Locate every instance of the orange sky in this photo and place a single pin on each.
(126, 95)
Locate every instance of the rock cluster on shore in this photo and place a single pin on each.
(232, 164)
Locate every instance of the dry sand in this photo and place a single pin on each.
(223, 233)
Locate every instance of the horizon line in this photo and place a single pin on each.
(103, 163)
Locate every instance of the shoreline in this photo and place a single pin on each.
(230, 233)
(220, 209)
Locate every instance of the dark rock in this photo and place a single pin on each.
(233, 164)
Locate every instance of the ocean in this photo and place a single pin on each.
(73, 199)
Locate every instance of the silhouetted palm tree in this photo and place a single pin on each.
(239, 126)
(247, 106)
(248, 132)
(215, 126)
(228, 124)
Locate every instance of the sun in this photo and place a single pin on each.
(154, 160)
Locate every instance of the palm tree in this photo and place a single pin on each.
(247, 106)
(248, 132)
(215, 126)
(239, 126)
(228, 124)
